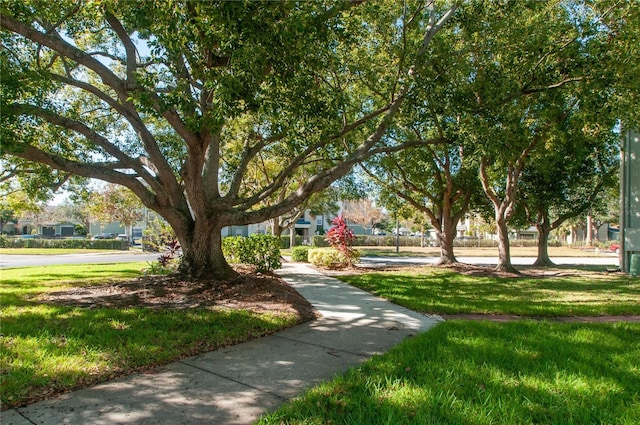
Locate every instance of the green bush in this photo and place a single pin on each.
(329, 258)
(262, 251)
(390, 240)
(68, 243)
(300, 254)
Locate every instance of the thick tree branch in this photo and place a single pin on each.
(89, 170)
(58, 44)
(407, 145)
(249, 152)
(80, 128)
(129, 47)
(155, 156)
(433, 27)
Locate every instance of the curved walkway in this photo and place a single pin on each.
(237, 384)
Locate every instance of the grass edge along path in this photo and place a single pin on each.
(50, 349)
(465, 372)
(437, 290)
(484, 372)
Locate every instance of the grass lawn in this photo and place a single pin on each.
(481, 372)
(464, 372)
(445, 291)
(48, 349)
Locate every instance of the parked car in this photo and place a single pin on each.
(615, 248)
(104, 236)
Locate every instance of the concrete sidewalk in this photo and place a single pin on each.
(237, 384)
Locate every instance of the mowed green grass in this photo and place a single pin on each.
(464, 372)
(563, 293)
(47, 349)
(483, 372)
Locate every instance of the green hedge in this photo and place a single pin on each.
(262, 251)
(285, 241)
(300, 254)
(107, 244)
(369, 240)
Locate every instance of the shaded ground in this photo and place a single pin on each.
(256, 292)
(252, 291)
(268, 293)
(483, 271)
(472, 270)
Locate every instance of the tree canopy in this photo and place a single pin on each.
(223, 113)
(206, 110)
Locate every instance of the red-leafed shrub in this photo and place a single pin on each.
(341, 238)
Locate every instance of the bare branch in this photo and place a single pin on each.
(552, 86)
(406, 145)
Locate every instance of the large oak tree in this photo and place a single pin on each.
(188, 103)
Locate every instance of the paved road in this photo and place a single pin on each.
(7, 261)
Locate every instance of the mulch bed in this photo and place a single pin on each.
(258, 292)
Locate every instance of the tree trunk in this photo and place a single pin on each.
(277, 229)
(292, 236)
(202, 256)
(543, 259)
(504, 249)
(589, 236)
(446, 235)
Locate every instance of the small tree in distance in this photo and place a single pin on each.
(364, 213)
(116, 203)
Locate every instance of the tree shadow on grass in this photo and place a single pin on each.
(95, 333)
(483, 372)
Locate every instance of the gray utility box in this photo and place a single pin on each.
(630, 198)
